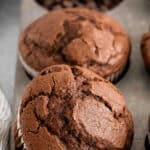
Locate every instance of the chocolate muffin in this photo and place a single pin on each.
(92, 4)
(145, 49)
(72, 108)
(76, 37)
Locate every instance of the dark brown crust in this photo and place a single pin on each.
(66, 105)
(92, 4)
(76, 37)
(145, 50)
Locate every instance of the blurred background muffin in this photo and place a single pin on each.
(92, 4)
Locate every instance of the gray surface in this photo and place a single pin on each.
(9, 18)
(134, 15)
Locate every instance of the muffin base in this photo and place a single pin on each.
(115, 77)
(17, 139)
(19, 143)
(30, 71)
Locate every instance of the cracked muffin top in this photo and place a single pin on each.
(72, 108)
(93, 4)
(76, 37)
(145, 49)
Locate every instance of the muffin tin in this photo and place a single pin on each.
(134, 16)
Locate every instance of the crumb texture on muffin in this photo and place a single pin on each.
(76, 37)
(71, 108)
(93, 4)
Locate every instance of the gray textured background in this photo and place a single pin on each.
(134, 15)
(9, 29)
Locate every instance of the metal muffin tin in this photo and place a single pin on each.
(134, 15)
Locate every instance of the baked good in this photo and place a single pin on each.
(76, 37)
(72, 108)
(92, 4)
(145, 50)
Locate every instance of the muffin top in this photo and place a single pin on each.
(93, 4)
(72, 108)
(145, 49)
(76, 37)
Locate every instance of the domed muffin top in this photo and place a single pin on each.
(70, 108)
(76, 37)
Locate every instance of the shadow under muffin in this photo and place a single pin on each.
(102, 5)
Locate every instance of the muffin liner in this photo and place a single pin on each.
(119, 74)
(112, 78)
(19, 142)
(5, 119)
(30, 71)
